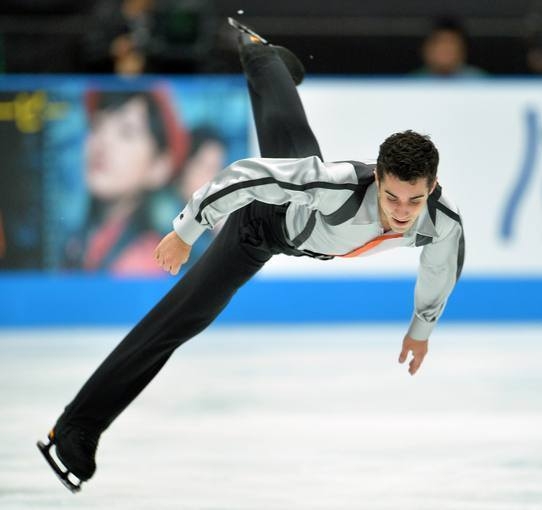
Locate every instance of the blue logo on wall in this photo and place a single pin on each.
(525, 175)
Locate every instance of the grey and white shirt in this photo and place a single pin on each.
(333, 210)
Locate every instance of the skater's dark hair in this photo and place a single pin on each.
(449, 24)
(408, 156)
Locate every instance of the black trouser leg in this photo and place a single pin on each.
(237, 253)
(281, 124)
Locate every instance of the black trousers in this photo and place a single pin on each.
(250, 237)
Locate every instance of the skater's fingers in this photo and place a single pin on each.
(403, 355)
(164, 263)
(415, 364)
(171, 253)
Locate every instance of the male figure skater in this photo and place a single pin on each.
(288, 202)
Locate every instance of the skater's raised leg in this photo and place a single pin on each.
(281, 123)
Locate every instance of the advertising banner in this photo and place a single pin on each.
(94, 170)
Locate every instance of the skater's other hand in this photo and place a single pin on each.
(171, 253)
(418, 349)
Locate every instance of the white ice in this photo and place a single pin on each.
(289, 418)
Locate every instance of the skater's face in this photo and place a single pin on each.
(122, 156)
(401, 202)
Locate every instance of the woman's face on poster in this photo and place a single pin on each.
(122, 157)
(201, 167)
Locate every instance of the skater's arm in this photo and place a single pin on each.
(441, 263)
(438, 272)
(306, 181)
(171, 253)
(440, 266)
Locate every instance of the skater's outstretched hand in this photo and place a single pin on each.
(418, 349)
(171, 253)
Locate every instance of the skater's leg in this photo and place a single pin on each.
(238, 252)
(191, 305)
(281, 123)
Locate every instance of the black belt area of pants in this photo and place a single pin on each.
(293, 250)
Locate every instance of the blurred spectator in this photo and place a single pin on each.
(533, 55)
(129, 48)
(120, 39)
(444, 51)
(134, 148)
(132, 37)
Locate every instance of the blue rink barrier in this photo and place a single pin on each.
(82, 300)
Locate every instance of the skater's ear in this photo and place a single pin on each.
(160, 172)
(376, 179)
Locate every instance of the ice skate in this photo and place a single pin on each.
(256, 38)
(74, 455)
(248, 37)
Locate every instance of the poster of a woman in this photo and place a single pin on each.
(134, 147)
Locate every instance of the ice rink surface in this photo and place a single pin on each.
(289, 418)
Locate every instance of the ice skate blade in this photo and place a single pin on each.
(62, 475)
(243, 28)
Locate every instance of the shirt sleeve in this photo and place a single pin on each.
(274, 181)
(440, 267)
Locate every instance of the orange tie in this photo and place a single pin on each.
(370, 245)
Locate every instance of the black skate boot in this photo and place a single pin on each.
(249, 37)
(75, 448)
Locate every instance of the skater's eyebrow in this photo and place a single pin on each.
(411, 198)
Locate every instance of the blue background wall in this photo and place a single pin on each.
(52, 297)
(36, 300)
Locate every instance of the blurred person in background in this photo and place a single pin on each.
(132, 37)
(533, 55)
(134, 148)
(533, 40)
(120, 40)
(445, 51)
(128, 49)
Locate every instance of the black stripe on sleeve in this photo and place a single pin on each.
(348, 210)
(460, 254)
(306, 232)
(422, 240)
(270, 180)
(433, 204)
(364, 172)
(448, 212)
